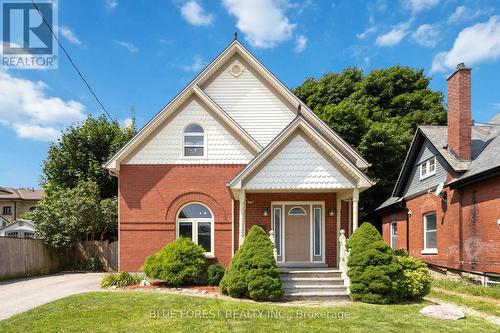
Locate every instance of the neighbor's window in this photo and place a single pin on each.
(195, 221)
(394, 235)
(430, 231)
(28, 234)
(12, 234)
(428, 167)
(7, 210)
(194, 141)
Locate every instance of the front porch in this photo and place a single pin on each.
(305, 225)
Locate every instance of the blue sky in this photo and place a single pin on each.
(142, 53)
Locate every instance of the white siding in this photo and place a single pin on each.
(250, 103)
(299, 165)
(165, 145)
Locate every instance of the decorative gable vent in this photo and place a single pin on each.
(236, 70)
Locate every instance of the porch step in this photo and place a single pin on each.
(313, 284)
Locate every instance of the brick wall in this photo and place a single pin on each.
(468, 234)
(150, 197)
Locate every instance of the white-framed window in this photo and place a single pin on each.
(430, 233)
(394, 235)
(297, 211)
(194, 141)
(317, 224)
(277, 227)
(196, 221)
(28, 234)
(7, 210)
(12, 233)
(428, 168)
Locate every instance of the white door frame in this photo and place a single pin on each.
(311, 205)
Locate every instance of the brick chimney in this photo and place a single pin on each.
(459, 113)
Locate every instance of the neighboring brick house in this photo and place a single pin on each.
(233, 149)
(459, 227)
(16, 201)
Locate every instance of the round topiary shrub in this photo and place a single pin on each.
(372, 270)
(179, 263)
(415, 280)
(253, 271)
(215, 273)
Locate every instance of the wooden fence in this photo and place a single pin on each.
(20, 257)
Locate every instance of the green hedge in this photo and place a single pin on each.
(378, 274)
(215, 273)
(253, 271)
(179, 263)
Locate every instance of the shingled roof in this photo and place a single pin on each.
(8, 193)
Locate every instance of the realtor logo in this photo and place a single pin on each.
(27, 40)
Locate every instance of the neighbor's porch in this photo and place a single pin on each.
(305, 226)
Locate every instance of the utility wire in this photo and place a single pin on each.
(72, 62)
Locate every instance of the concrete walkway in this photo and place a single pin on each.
(23, 294)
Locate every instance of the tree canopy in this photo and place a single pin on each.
(82, 150)
(377, 114)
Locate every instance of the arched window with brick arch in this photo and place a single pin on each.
(196, 221)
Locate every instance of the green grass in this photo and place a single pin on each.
(467, 288)
(131, 312)
(481, 305)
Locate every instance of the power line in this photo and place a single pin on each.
(72, 62)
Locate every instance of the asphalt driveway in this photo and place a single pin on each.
(23, 294)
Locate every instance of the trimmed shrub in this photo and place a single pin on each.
(215, 273)
(372, 270)
(121, 279)
(253, 271)
(415, 280)
(92, 264)
(179, 263)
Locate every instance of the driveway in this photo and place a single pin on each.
(21, 295)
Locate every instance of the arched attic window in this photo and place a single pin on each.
(194, 141)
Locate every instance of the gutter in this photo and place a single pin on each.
(475, 178)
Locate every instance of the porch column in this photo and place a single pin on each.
(338, 213)
(243, 207)
(355, 199)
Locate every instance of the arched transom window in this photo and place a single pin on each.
(195, 221)
(297, 211)
(194, 141)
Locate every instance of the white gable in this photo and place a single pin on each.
(165, 146)
(299, 165)
(250, 102)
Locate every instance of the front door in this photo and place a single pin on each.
(297, 233)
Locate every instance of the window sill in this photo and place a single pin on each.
(427, 176)
(429, 251)
(209, 256)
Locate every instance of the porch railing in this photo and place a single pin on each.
(344, 255)
(271, 237)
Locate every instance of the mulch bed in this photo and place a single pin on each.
(157, 285)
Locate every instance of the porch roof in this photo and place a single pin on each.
(300, 158)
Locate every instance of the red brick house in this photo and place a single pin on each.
(233, 149)
(445, 207)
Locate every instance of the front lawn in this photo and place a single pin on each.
(135, 312)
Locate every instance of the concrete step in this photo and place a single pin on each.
(321, 281)
(319, 289)
(315, 296)
(312, 274)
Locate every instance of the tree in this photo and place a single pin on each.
(66, 216)
(377, 114)
(82, 150)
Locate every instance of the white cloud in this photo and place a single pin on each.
(194, 13)
(419, 5)
(69, 35)
(263, 22)
(367, 32)
(300, 43)
(26, 109)
(474, 44)
(463, 13)
(111, 4)
(129, 46)
(426, 35)
(394, 36)
(127, 122)
(197, 65)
